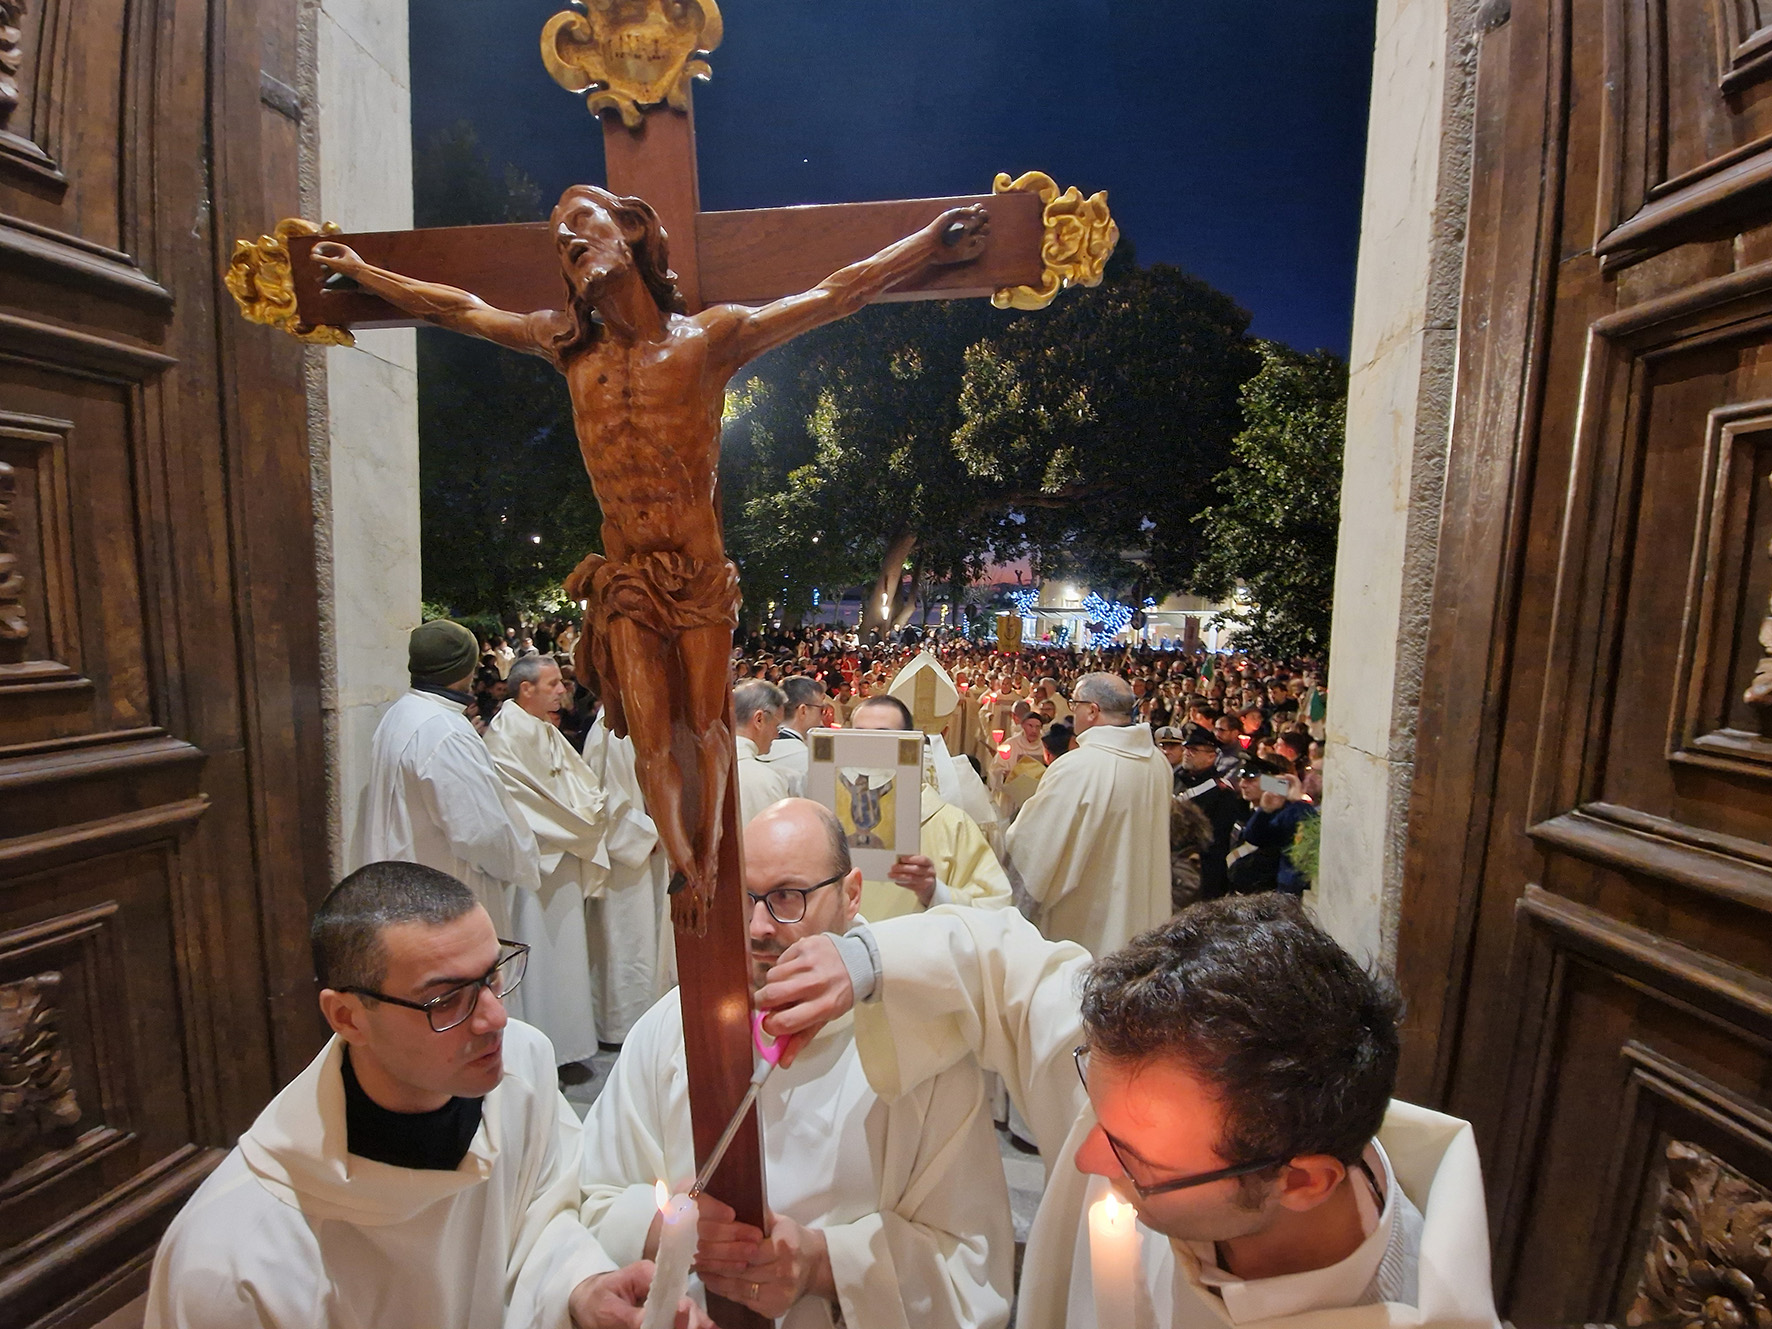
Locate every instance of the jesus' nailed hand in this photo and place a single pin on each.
(648, 383)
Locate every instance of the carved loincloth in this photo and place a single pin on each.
(664, 591)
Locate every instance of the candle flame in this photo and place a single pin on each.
(662, 1195)
(1112, 1205)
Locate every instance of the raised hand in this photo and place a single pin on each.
(807, 989)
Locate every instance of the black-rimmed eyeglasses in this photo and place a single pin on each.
(448, 1009)
(787, 904)
(1081, 1056)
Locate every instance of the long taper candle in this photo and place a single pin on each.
(676, 1251)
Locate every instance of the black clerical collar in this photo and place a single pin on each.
(448, 694)
(437, 1141)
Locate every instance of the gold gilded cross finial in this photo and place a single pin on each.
(629, 54)
(1080, 238)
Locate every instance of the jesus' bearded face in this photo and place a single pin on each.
(593, 248)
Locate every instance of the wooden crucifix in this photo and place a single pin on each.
(647, 365)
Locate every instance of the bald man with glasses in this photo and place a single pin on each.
(423, 1170)
(885, 1215)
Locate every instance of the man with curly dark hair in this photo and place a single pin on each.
(1227, 1074)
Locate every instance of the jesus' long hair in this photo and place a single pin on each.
(646, 240)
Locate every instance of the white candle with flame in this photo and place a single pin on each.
(1113, 1261)
(676, 1251)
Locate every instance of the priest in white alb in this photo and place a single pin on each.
(559, 798)
(433, 796)
(1212, 1102)
(757, 708)
(886, 1214)
(1091, 847)
(633, 951)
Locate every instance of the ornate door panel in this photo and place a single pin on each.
(1587, 943)
(161, 837)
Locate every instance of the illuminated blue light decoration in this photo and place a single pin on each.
(1024, 602)
(1110, 614)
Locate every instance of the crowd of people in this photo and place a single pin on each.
(1101, 916)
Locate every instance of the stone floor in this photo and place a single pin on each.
(1023, 1171)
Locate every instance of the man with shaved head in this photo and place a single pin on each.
(1091, 847)
(877, 1207)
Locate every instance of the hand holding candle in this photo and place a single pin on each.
(676, 1248)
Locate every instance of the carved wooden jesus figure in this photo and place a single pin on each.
(648, 385)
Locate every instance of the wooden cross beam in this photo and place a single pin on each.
(746, 257)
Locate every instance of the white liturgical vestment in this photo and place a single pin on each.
(959, 982)
(434, 798)
(1092, 845)
(910, 1195)
(790, 756)
(560, 800)
(759, 783)
(294, 1232)
(633, 951)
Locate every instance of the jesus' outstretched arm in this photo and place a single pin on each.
(447, 306)
(957, 236)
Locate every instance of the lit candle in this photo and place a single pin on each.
(676, 1250)
(1113, 1261)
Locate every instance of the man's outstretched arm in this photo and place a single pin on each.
(946, 983)
(447, 306)
(957, 236)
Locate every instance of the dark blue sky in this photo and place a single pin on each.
(1229, 134)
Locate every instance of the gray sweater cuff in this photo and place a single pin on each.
(861, 957)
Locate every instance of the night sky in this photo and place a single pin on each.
(1229, 134)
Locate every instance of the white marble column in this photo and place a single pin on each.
(1402, 363)
(363, 401)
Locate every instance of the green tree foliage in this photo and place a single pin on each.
(1102, 419)
(499, 463)
(922, 439)
(839, 465)
(1273, 528)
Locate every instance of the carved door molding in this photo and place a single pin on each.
(1586, 941)
(162, 828)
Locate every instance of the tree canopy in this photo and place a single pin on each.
(910, 443)
(1273, 526)
(506, 510)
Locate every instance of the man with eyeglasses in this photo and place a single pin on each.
(884, 1214)
(423, 1170)
(805, 708)
(1228, 1075)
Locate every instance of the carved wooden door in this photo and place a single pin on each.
(161, 830)
(1587, 935)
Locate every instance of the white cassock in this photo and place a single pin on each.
(959, 983)
(759, 783)
(563, 805)
(790, 756)
(1091, 847)
(966, 871)
(291, 1232)
(909, 1194)
(633, 951)
(433, 797)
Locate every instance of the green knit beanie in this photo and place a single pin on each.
(440, 652)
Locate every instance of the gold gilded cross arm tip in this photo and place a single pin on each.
(262, 281)
(1079, 239)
